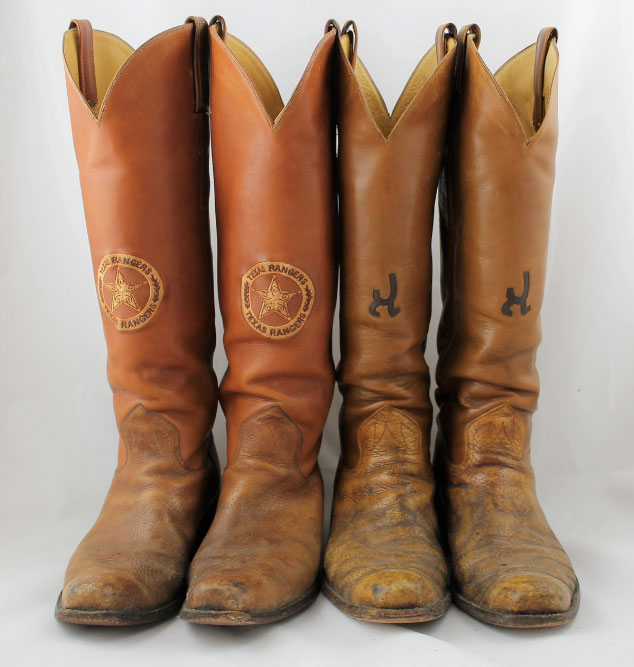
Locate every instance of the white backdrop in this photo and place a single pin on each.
(57, 430)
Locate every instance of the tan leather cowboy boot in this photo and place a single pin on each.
(508, 567)
(140, 127)
(275, 210)
(383, 561)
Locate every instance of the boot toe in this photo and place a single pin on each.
(394, 589)
(529, 594)
(103, 592)
(221, 595)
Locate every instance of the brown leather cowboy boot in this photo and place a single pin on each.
(275, 209)
(384, 562)
(140, 127)
(508, 567)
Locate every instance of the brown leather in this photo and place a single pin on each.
(143, 164)
(495, 201)
(200, 62)
(87, 79)
(275, 205)
(546, 35)
(383, 553)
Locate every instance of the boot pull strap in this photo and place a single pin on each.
(331, 24)
(443, 34)
(220, 26)
(544, 39)
(468, 31)
(350, 28)
(200, 62)
(86, 58)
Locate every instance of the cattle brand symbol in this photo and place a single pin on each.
(512, 300)
(392, 310)
(276, 299)
(130, 290)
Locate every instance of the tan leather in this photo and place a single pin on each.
(495, 201)
(143, 164)
(274, 189)
(383, 552)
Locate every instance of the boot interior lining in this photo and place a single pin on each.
(373, 98)
(516, 78)
(110, 53)
(259, 75)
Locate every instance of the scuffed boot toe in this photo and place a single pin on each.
(220, 595)
(391, 596)
(394, 589)
(110, 599)
(240, 600)
(529, 594)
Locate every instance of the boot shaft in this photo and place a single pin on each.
(495, 200)
(140, 128)
(275, 212)
(388, 174)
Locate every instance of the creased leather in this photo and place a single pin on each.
(274, 189)
(263, 548)
(144, 174)
(135, 556)
(383, 550)
(495, 200)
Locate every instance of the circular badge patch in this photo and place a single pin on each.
(276, 299)
(130, 290)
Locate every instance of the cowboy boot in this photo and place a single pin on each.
(140, 128)
(508, 567)
(275, 211)
(383, 561)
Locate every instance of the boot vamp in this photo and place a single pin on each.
(383, 550)
(135, 556)
(262, 551)
(505, 556)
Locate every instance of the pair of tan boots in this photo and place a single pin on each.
(169, 537)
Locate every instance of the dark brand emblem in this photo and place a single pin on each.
(512, 300)
(130, 290)
(379, 301)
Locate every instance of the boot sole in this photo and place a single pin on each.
(509, 620)
(114, 617)
(241, 617)
(382, 615)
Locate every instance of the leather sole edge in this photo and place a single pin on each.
(244, 617)
(510, 620)
(114, 617)
(383, 615)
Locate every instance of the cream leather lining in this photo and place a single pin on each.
(259, 75)
(516, 78)
(373, 98)
(110, 52)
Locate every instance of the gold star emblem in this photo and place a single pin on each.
(123, 292)
(274, 300)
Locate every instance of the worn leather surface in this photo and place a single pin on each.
(383, 550)
(495, 204)
(274, 188)
(143, 164)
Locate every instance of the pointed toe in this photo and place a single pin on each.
(529, 594)
(105, 592)
(220, 595)
(394, 589)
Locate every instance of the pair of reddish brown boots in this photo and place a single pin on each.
(141, 122)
